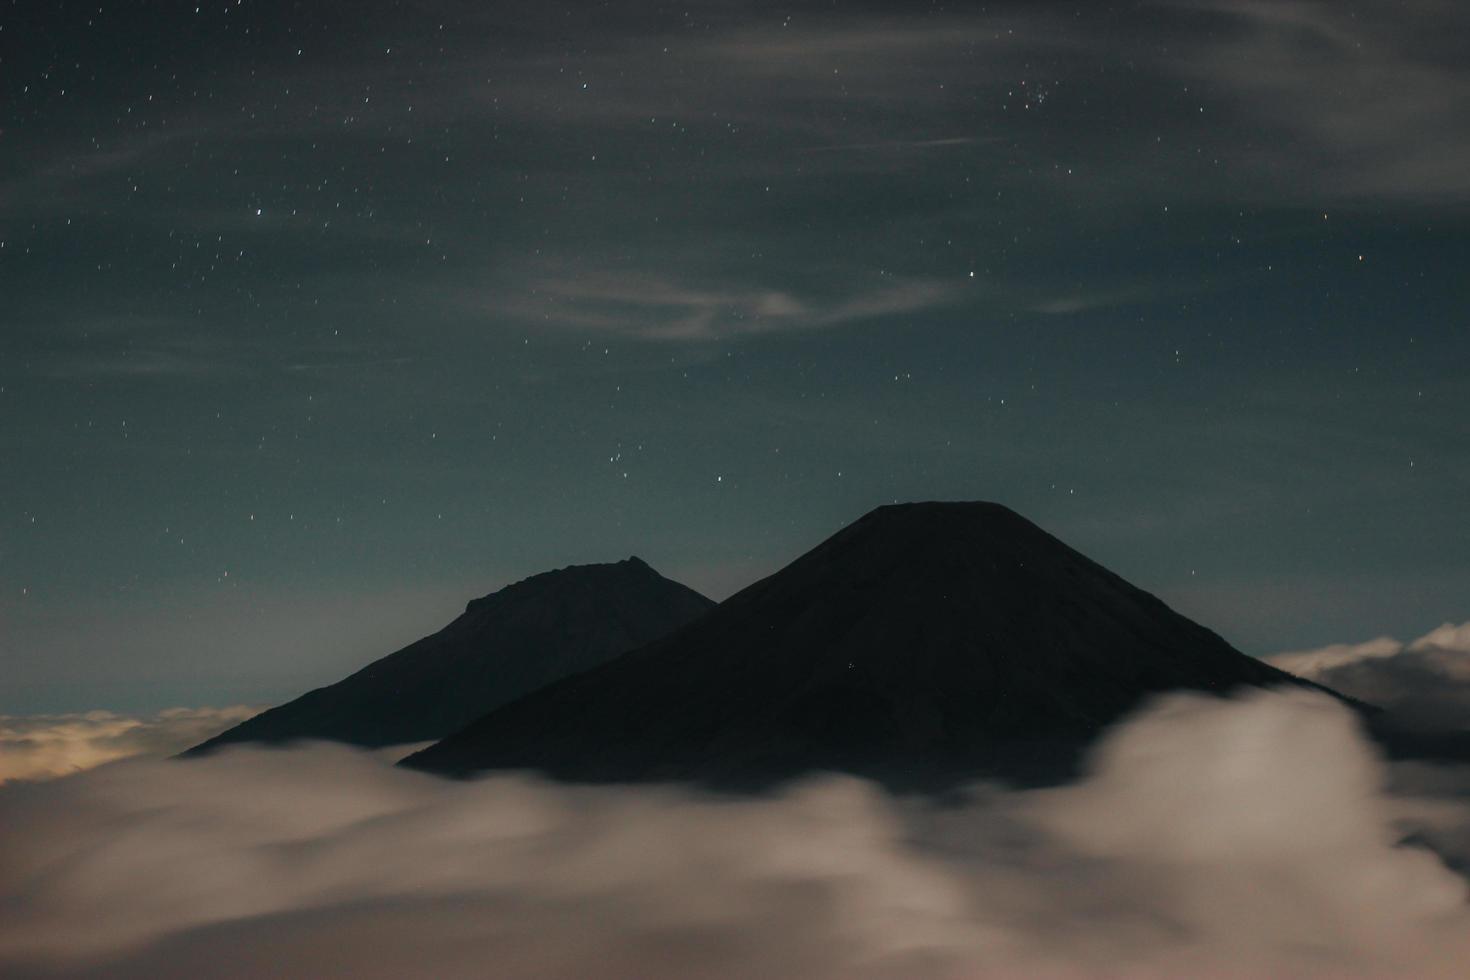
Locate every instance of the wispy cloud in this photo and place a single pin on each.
(1086, 302)
(51, 180)
(658, 308)
(1370, 98)
(136, 364)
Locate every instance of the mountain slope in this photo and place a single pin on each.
(504, 645)
(923, 639)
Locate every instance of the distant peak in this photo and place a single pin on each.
(631, 563)
(568, 576)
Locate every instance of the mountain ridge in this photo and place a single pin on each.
(505, 644)
(933, 637)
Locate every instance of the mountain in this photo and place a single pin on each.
(504, 645)
(924, 641)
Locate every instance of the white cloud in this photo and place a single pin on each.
(1425, 682)
(1448, 637)
(1211, 838)
(1313, 663)
(45, 746)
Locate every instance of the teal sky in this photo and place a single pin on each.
(321, 319)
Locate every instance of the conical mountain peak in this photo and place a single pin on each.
(922, 638)
(946, 537)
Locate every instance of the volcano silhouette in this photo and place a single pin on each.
(923, 641)
(504, 645)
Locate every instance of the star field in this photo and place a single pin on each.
(320, 319)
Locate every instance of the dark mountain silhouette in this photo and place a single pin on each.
(1403, 738)
(925, 641)
(504, 645)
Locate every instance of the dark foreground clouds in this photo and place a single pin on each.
(1211, 838)
(1426, 681)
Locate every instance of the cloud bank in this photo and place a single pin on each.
(46, 746)
(1425, 682)
(1211, 838)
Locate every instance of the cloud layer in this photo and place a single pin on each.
(1212, 838)
(45, 746)
(1425, 682)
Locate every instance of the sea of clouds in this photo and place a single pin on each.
(1246, 837)
(1424, 682)
(46, 746)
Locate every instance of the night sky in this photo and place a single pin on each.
(319, 319)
